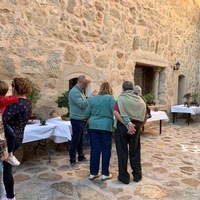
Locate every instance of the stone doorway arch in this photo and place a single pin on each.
(70, 75)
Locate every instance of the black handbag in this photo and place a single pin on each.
(86, 136)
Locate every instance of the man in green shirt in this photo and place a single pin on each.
(77, 104)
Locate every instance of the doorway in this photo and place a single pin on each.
(144, 76)
(181, 89)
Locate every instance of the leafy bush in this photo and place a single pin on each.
(35, 94)
(63, 101)
(149, 98)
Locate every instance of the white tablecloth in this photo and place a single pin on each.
(34, 131)
(63, 130)
(56, 129)
(193, 110)
(158, 115)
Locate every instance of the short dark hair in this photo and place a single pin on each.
(127, 85)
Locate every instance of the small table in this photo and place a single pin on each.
(158, 116)
(192, 110)
(56, 129)
(34, 131)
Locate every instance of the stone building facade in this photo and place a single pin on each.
(53, 41)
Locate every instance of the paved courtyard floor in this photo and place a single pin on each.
(170, 164)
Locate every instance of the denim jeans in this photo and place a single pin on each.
(76, 144)
(101, 145)
(10, 137)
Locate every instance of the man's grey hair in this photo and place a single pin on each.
(127, 85)
(137, 90)
(81, 78)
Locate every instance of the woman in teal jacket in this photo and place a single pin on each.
(100, 114)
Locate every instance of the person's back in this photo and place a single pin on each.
(22, 110)
(102, 112)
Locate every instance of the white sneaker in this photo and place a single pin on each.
(104, 177)
(13, 161)
(92, 177)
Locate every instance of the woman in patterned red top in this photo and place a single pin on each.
(16, 116)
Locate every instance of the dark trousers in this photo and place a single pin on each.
(10, 138)
(76, 144)
(101, 145)
(128, 146)
(8, 176)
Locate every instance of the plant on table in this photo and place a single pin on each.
(194, 101)
(187, 96)
(63, 102)
(149, 97)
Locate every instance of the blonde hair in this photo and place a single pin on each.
(105, 88)
(3, 88)
(21, 86)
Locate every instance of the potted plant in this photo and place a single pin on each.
(33, 96)
(149, 97)
(187, 97)
(194, 99)
(63, 102)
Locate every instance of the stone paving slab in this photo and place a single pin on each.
(170, 163)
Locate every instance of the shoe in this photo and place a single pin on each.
(104, 177)
(13, 161)
(123, 181)
(75, 166)
(5, 198)
(137, 179)
(92, 177)
(85, 161)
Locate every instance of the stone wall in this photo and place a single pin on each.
(52, 41)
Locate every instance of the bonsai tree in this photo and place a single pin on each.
(63, 101)
(149, 97)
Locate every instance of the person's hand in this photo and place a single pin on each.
(94, 93)
(131, 128)
(5, 156)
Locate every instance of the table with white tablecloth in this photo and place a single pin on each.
(62, 132)
(192, 110)
(158, 116)
(56, 129)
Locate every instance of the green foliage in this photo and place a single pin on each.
(149, 98)
(195, 96)
(187, 96)
(63, 101)
(35, 94)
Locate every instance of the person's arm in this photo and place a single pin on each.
(9, 113)
(88, 110)
(124, 120)
(7, 100)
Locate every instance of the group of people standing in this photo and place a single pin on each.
(98, 110)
